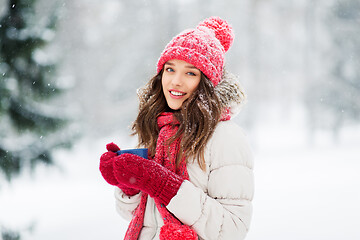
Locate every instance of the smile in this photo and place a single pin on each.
(176, 93)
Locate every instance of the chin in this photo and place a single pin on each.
(174, 108)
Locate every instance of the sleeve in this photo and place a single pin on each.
(224, 211)
(125, 205)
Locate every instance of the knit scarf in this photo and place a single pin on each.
(168, 126)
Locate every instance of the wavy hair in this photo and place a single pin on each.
(198, 117)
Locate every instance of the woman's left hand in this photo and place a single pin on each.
(148, 176)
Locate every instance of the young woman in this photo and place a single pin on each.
(197, 182)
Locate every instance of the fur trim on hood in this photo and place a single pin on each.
(230, 93)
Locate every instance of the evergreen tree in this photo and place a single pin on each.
(10, 235)
(28, 121)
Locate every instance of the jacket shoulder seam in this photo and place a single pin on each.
(231, 164)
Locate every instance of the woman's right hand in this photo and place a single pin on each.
(107, 170)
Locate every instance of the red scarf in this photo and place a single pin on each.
(168, 126)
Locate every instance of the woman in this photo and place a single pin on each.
(197, 182)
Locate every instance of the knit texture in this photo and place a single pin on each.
(204, 47)
(174, 231)
(107, 170)
(148, 176)
(168, 127)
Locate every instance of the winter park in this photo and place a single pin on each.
(70, 74)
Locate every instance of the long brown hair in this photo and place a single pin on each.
(198, 118)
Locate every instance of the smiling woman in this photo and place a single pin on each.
(179, 80)
(197, 182)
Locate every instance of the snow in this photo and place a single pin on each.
(70, 201)
(302, 191)
(306, 188)
(305, 191)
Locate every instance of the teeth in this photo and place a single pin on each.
(177, 93)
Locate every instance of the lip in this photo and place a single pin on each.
(175, 96)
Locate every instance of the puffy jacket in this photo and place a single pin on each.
(216, 203)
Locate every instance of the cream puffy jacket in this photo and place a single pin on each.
(216, 203)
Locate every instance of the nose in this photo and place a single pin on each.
(177, 79)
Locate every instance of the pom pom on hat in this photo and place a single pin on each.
(204, 47)
(223, 31)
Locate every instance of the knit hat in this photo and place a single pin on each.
(204, 47)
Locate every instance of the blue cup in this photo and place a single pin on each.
(142, 152)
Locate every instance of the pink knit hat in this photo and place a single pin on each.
(204, 47)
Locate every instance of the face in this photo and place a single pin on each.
(179, 80)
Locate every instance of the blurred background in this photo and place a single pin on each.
(69, 71)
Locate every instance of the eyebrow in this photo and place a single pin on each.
(187, 66)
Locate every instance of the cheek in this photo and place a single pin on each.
(194, 86)
(164, 81)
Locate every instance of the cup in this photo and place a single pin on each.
(142, 152)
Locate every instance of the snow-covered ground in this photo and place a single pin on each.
(305, 192)
(302, 191)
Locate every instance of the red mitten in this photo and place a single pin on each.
(107, 170)
(148, 176)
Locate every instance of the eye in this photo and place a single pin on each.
(191, 73)
(169, 69)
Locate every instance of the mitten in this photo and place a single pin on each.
(107, 171)
(148, 176)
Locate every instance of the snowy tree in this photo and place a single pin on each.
(334, 98)
(10, 235)
(344, 30)
(28, 119)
